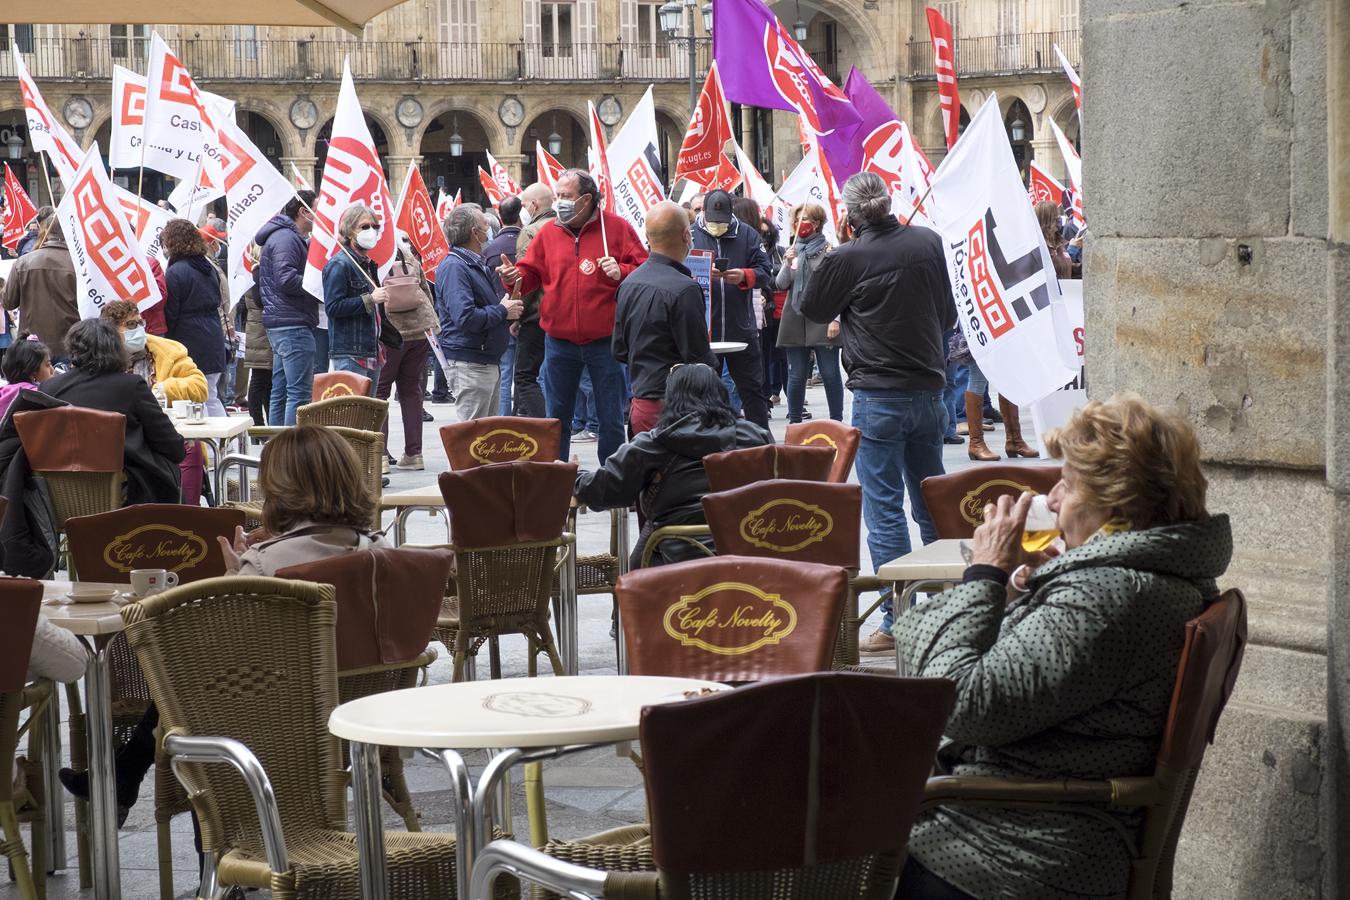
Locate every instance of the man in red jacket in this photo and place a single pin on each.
(579, 260)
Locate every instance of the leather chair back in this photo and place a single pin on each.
(731, 618)
(21, 600)
(842, 439)
(387, 601)
(72, 439)
(789, 770)
(804, 521)
(734, 468)
(172, 536)
(497, 439)
(328, 385)
(1210, 660)
(956, 501)
(508, 503)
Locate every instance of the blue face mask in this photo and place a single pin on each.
(135, 339)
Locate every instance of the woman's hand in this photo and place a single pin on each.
(998, 542)
(791, 253)
(232, 552)
(379, 295)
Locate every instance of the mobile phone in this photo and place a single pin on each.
(721, 263)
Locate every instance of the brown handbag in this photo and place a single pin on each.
(403, 292)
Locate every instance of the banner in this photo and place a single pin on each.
(1003, 280)
(415, 215)
(109, 261)
(1073, 163)
(44, 132)
(490, 187)
(597, 155)
(760, 64)
(255, 191)
(505, 183)
(1045, 188)
(190, 201)
(759, 190)
(708, 133)
(178, 129)
(147, 221)
(808, 184)
(635, 160)
(128, 121)
(1074, 82)
(444, 204)
(351, 175)
(546, 166)
(944, 65)
(1054, 409)
(19, 211)
(877, 127)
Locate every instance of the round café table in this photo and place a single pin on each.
(535, 718)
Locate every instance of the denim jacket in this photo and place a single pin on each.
(353, 323)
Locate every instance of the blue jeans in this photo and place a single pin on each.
(292, 372)
(901, 446)
(954, 395)
(732, 394)
(583, 416)
(508, 369)
(349, 364)
(440, 389)
(564, 362)
(799, 369)
(320, 350)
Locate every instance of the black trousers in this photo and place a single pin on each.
(747, 371)
(529, 397)
(259, 394)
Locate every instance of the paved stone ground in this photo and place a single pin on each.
(586, 793)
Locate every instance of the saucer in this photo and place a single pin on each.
(92, 595)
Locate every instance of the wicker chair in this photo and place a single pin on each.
(1210, 660)
(79, 453)
(361, 413)
(388, 602)
(328, 385)
(956, 501)
(22, 600)
(369, 447)
(842, 439)
(497, 439)
(831, 836)
(734, 468)
(244, 672)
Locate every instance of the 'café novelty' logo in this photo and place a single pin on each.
(972, 504)
(337, 390)
(786, 525)
(730, 618)
(821, 437)
(155, 547)
(503, 445)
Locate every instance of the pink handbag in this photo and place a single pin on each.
(404, 292)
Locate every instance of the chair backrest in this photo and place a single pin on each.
(173, 536)
(496, 439)
(72, 439)
(734, 468)
(956, 501)
(328, 385)
(804, 756)
(21, 600)
(369, 447)
(805, 521)
(508, 503)
(359, 412)
(387, 601)
(731, 618)
(842, 439)
(251, 659)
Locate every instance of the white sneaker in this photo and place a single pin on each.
(411, 462)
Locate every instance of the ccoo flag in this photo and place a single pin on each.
(48, 135)
(416, 217)
(636, 164)
(255, 191)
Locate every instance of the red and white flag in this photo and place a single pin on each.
(147, 220)
(1045, 188)
(1073, 163)
(708, 133)
(811, 182)
(490, 187)
(505, 183)
(1074, 82)
(634, 159)
(19, 211)
(417, 218)
(721, 177)
(254, 192)
(178, 129)
(549, 169)
(944, 63)
(759, 190)
(47, 134)
(110, 263)
(445, 204)
(351, 175)
(597, 155)
(128, 121)
(300, 181)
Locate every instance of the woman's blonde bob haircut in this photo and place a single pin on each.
(309, 474)
(1137, 460)
(814, 212)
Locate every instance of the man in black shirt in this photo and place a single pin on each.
(661, 316)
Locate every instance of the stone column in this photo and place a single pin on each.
(514, 163)
(398, 170)
(1045, 150)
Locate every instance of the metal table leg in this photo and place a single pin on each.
(366, 796)
(56, 808)
(623, 551)
(569, 638)
(464, 839)
(102, 780)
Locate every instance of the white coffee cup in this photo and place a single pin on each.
(145, 582)
(180, 408)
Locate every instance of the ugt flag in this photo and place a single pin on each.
(490, 187)
(762, 65)
(505, 183)
(110, 263)
(708, 133)
(944, 66)
(1003, 281)
(351, 175)
(417, 218)
(19, 211)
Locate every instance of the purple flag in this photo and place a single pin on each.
(762, 65)
(845, 148)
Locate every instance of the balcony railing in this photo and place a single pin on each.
(225, 59)
(1000, 54)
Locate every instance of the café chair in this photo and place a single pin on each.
(78, 452)
(842, 439)
(328, 385)
(956, 501)
(734, 468)
(803, 521)
(1210, 660)
(387, 604)
(244, 672)
(369, 447)
(825, 812)
(22, 600)
(359, 412)
(498, 439)
(106, 547)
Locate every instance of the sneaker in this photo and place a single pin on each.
(585, 437)
(384, 465)
(878, 643)
(427, 417)
(442, 401)
(411, 462)
(953, 439)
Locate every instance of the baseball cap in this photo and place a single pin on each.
(717, 207)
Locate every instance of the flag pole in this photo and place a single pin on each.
(192, 194)
(915, 211)
(42, 161)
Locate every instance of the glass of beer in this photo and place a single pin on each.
(1041, 529)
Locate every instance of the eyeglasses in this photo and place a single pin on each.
(132, 323)
(368, 227)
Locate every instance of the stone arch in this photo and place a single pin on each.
(851, 17)
(280, 121)
(467, 108)
(457, 173)
(568, 126)
(1065, 114)
(934, 135)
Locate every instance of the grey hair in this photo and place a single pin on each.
(460, 224)
(866, 198)
(351, 218)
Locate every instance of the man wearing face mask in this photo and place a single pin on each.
(744, 267)
(536, 211)
(579, 262)
(501, 248)
(660, 318)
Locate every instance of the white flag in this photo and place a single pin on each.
(109, 261)
(502, 178)
(1074, 81)
(178, 131)
(1002, 277)
(635, 165)
(1072, 162)
(756, 188)
(48, 135)
(300, 181)
(351, 175)
(147, 220)
(254, 192)
(809, 184)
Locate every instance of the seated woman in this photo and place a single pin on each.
(26, 364)
(98, 379)
(171, 375)
(1064, 668)
(316, 504)
(662, 469)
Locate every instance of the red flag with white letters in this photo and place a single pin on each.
(708, 134)
(944, 63)
(417, 218)
(490, 187)
(505, 183)
(19, 211)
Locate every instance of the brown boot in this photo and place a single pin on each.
(977, 450)
(1013, 444)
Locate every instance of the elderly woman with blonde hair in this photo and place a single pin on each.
(351, 297)
(1065, 666)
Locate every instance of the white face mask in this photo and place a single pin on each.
(525, 217)
(491, 233)
(368, 238)
(135, 339)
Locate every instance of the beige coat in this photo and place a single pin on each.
(41, 287)
(305, 543)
